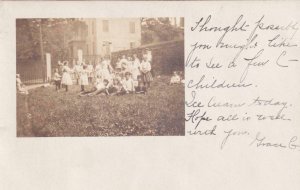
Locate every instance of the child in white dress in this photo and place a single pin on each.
(106, 69)
(135, 68)
(149, 59)
(66, 80)
(129, 64)
(124, 63)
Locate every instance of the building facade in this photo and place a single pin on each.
(101, 37)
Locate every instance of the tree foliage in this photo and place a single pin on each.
(158, 30)
(52, 33)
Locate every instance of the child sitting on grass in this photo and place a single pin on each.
(99, 88)
(115, 88)
(175, 79)
(21, 88)
(102, 90)
(128, 85)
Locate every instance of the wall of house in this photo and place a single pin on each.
(119, 34)
(91, 37)
(118, 37)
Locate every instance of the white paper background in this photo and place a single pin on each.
(134, 162)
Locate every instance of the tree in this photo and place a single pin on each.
(27, 46)
(35, 36)
(158, 30)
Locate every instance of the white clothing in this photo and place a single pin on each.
(128, 85)
(84, 77)
(145, 66)
(135, 68)
(66, 77)
(175, 79)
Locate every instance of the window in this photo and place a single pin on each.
(105, 26)
(132, 45)
(132, 27)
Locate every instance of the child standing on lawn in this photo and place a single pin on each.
(57, 80)
(106, 68)
(84, 81)
(148, 55)
(118, 66)
(124, 63)
(135, 69)
(146, 72)
(77, 70)
(90, 69)
(140, 88)
(66, 77)
(175, 79)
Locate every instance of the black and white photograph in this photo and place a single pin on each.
(100, 77)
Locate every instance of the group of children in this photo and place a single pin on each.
(129, 75)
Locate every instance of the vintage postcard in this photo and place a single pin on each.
(150, 95)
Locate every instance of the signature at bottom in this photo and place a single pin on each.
(262, 141)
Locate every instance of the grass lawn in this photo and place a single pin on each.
(47, 113)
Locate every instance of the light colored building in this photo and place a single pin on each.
(103, 36)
